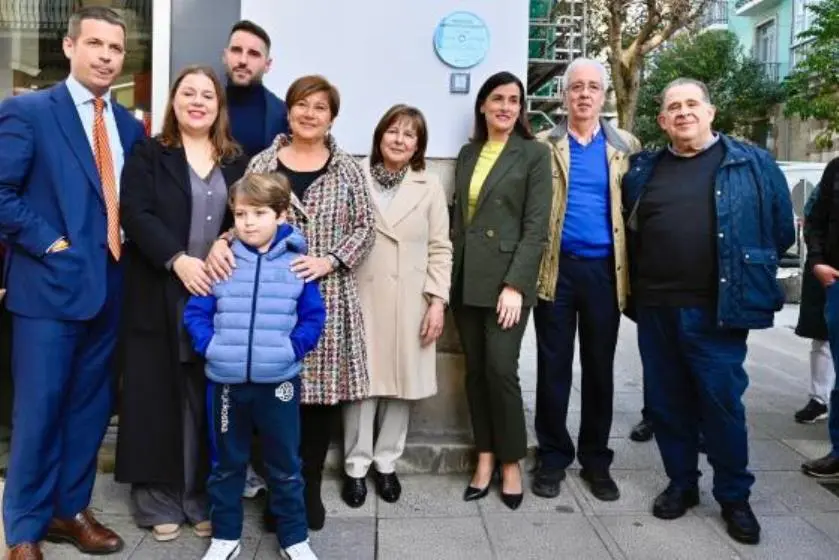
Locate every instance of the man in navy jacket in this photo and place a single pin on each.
(708, 218)
(61, 158)
(257, 116)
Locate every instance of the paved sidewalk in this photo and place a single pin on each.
(800, 518)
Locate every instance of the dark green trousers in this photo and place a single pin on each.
(492, 381)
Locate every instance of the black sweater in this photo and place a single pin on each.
(677, 250)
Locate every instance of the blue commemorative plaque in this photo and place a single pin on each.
(461, 40)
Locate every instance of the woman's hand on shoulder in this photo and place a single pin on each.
(220, 261)
(312, 268)
(193, 275)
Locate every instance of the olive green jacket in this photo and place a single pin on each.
(620, 144)
(503, 243)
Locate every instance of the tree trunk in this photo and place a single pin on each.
(627, 88)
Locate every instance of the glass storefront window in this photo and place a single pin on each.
(31, 56)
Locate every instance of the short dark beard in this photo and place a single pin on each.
(255, 81)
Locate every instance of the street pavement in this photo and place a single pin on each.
(800, 517)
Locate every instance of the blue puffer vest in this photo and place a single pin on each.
(256, 310)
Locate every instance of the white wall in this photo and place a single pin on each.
(380, 52)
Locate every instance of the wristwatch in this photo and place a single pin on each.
(333, 260)
(229, 236)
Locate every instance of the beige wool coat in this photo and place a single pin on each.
(411, 260)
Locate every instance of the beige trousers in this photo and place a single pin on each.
(361, 418)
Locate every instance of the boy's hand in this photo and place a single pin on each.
(193, 275)
(311, 268)
(220, 261)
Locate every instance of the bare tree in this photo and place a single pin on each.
(634, 29)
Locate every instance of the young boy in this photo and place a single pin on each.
(254, 331)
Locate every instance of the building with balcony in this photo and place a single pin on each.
(770, 30)
(715, 16)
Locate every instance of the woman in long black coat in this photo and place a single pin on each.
(173, 206)
(812, 325)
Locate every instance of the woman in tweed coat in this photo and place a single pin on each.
(331, 204)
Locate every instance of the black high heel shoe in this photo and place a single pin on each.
(512, 501)
(471, 493)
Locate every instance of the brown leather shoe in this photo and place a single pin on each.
(25, 551)
(85, 533)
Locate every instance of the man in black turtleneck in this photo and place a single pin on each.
(257, 116)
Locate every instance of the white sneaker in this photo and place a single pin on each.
(301, 551)
(254, 484)
(222, 550)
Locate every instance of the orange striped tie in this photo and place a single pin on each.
(105, 165)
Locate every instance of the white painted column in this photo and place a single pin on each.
(161, 60)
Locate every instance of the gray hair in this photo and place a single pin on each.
(706, 94)
(99, 13)
(577, 63)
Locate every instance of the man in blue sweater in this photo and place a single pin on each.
(254, 331)
(582, 282)
(257, 116)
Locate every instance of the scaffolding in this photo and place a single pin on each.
(557, 35)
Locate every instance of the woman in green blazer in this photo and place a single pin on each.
(499, 228)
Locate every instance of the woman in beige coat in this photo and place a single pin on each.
(404, 288)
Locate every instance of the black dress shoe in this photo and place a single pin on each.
(674, 502)
(512, 501)
(825, 467)
(471, 493)
(546, 482)
(601, 485)
(354, 492)
(741, 522)
(642, 431)
(388, 486)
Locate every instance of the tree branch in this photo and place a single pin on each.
(675, 23)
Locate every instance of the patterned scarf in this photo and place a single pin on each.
(387, 179)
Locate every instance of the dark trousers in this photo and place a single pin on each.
(831, 315)
(274, 410)
(585, 296)
(318, 424)
(62, 405)
(492, 381)
(694, 380)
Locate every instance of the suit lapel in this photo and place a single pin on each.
(125, 124)
(71, 126)
(174, 162)
(506, 159)
(408, 195)
(470, 159)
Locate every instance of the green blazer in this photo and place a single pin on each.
(503, 244)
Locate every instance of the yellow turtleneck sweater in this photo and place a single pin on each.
(489, 154)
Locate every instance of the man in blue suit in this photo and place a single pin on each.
(62, 155)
